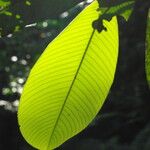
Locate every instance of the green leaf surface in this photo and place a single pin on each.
(147, 62)
(69, 83)
(4, 3)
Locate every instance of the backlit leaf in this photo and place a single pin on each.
(69, 83)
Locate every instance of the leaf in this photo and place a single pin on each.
(33, 12)
(7, 13)
(117, 8)
(4, 3)
(113, 8)
(28, 3)
(147, 61)
(69, 83)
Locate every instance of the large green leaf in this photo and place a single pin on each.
(148, 49)
(70, 81)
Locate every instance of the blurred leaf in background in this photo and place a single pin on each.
(18, 53)
(148, 49)
(15, 14)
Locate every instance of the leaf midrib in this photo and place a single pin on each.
(72, 83)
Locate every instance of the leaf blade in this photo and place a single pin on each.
(62, 95)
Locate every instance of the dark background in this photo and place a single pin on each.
(123, 122)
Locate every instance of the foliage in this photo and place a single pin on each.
(119, 7)
(148, 49)
(16, 16)
(108, 10)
